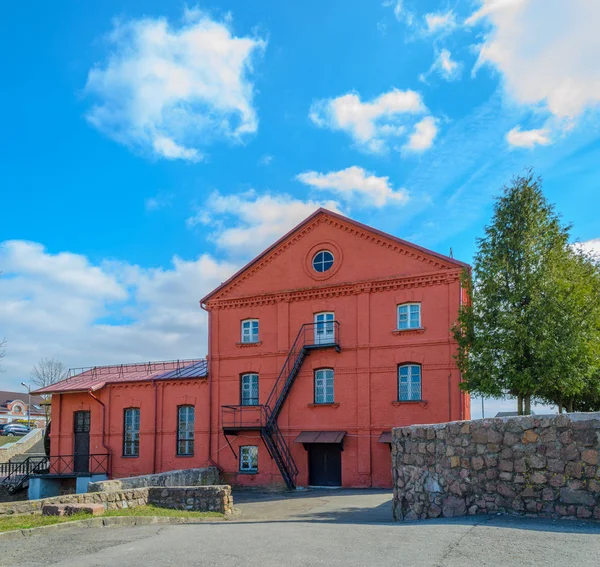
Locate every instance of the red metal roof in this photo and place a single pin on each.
(97, 377)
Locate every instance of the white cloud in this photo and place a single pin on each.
(265, 159)
(356, 182)
(443, 64)
(591, 247)
(157, 202)
(65, 306)
(528, 138)
(440, 22)
(167, 90)
(547, 52)
(370, 123)
(247, 223)
(423, 136)
(400, 11)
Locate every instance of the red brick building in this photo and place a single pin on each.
(317, 348)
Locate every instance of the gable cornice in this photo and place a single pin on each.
(351, 227)
(338, 290)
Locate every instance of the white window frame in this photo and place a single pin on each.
(186, 417)
(324, 386)
(249, 458)
(414, 388)
(250, 400)
(409, 322)
(248, 334)
(324, 328)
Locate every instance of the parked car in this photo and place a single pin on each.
(14, 430)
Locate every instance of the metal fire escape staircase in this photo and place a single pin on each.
(264, 417)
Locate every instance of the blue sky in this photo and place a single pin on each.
(149, 148)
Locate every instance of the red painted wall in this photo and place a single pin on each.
(369, 279)
(158, 446)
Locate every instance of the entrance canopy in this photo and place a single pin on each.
(309, 437)
(385, 437)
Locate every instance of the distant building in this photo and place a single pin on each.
(13, 407)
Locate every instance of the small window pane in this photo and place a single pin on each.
(250, 389)
(249, 458)
(324, 393)
(322, 261)
(131, 432)
(409, 382)
(185, 430)
(250, 331)
(409, 316)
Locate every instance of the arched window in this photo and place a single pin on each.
(324, 386)
(249, 389)
(409, 382)
(250, 331)
(131, 432)
(185, 430)
(409, 316)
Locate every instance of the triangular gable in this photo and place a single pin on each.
(434, 260)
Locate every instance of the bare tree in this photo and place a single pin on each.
(2, 352)
(47, 372)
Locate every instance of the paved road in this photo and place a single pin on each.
(321, 529)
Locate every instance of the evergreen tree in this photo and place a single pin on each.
(526, 331)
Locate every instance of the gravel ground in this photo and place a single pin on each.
(349, 528)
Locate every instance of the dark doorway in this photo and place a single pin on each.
(81, 451)
(325, 464)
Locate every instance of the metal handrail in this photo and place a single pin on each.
(11, 470)
(233, 417)
(307, 331)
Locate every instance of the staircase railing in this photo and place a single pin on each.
(16, 475)
(311, 336)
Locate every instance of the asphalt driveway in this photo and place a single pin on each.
(349, 528)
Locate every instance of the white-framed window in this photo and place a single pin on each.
(250, 331)
(409, 382)
(324, 386)
(322, 261)
(249, 458)
(131, 432)
(409, 316)
(185, 430)
(249, 386)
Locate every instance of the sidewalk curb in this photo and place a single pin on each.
(105, 523)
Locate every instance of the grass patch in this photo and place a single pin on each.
(9, 523)
(7, 440)
(35, 521)
(163, 512)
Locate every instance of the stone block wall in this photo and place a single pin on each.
(535, 465)
(197, 498)
(186, 477)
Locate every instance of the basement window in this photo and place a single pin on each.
(249, 459)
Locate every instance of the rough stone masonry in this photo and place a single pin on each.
(532, 465)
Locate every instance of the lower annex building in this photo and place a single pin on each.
(317, 348)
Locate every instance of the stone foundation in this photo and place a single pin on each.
(534, 465)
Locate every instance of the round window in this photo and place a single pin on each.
(322, 261)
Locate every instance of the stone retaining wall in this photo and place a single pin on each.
(20, 446)
(186, 477)
(198, 498)
(536, 465)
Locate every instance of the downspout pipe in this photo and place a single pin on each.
(210, 459)
(106, 447)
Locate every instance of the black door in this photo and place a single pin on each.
(325, 464)
(81, 428)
